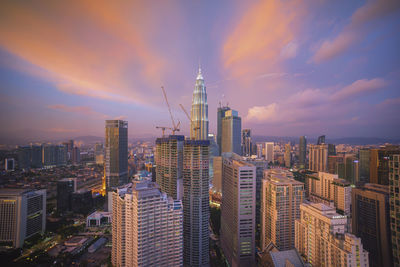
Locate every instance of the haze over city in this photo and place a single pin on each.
(289, 67)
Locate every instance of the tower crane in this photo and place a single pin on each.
(190, 119)
(175, 127)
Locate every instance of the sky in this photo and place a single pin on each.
(289, 67)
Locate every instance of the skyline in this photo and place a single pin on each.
(325, 68)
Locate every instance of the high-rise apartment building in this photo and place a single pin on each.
(199, 112)
(231, 132)
(116, 154)
(379, 164)
(65, 188)
(196, 210)
(169, 162)
(322, 240)
(336, 165)
(147, 227)
(280, 201)
(238, 211)
(220, 115)
(318, 158)
(327, 188)
(302, 152)
(217, 178)
(269, 151)
(364, 159)
(288, 155)
(22, 214)
(54, 155)
(394, 194)
(371, 222)
(246, 143)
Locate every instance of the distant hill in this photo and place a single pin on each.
(336, 141)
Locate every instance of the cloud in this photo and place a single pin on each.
(262, 113)
(83, 110)
(263, 37)
(358, 88)
(89, 48)
(361, 23)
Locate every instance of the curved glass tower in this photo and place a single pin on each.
(199, 112)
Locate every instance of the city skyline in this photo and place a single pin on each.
(327, 68)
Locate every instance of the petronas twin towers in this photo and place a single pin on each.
(199, 113)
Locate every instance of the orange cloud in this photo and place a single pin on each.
(264, 37)
(77, 109)
(87, 48)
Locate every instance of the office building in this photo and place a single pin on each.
(280, 201)
(231, 132)
(146, 227)
(238, 211)
(76, 155)
(379, 164)
(220, 115)
(302, 152)
(260, 165)
(288, 155)
(336, 165)
(196, 210)
(322, 240)
(246, 143)
(65, 188)
(394, 189)
(116, 154)
(318, 158)
(321, 140)
(327, 188)
(269, 151)
(364, 159)
(9, 164)
(54, 155)
(199, 112)
(169, 162)
(23, 214)
(217, 178)
(371, 222)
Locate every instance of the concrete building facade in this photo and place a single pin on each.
(147, 227)
(280, 201)
(238, 211)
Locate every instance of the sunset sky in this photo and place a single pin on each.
(289, 67)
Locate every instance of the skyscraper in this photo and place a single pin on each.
(146, 228)
(318, 158)
(371, 222)
(379, 164)
(116, 154)
(169, 162)
(220, 116)
(199, 112)
(196, 210)
(238, 211)
(280, 201)
(394, 188)
(364, 165)
(246, 143)
(321, 238)
(269, 151)
(288, 155)
(302, 152)
(22, 215)
(231, 132)
(65, 188)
